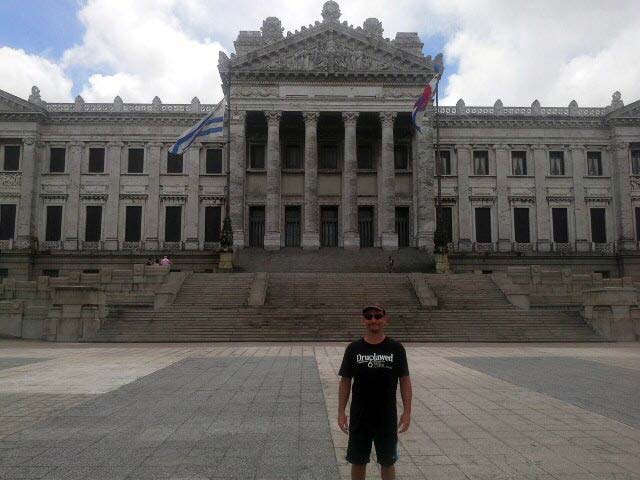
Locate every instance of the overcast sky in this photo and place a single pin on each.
(516, 50)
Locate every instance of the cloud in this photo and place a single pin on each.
(21, 70)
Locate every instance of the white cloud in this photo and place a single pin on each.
(21, 70)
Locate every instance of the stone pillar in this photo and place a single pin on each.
(192, 206)
(72, 210)
(25, 233)
(622, 194)
(424, 171)
(272, 228)
(350, 234)
(542, 210)
(503, 168)
(151, 225)
(310, 236)
(465, 219)
(112, 214)
(581, 212)
(238, 167)
(387, 192)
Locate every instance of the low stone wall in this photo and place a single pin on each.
(613, 312)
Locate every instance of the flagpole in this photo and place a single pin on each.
(228, 145)
(438, 166)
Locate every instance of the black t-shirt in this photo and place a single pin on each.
(375, 370)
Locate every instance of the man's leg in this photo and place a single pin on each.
(359, 472)
(388, 473)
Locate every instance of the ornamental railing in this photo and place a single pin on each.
(524, 111)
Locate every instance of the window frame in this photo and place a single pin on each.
(636, 157)
(563, 172)
(251, 156)
(406, 148)
(600, 164)
(324, 146)
(300, 164)
(450, 162)
(141, 223)
(474, 157)
(51, 159)
(515, 229)
(89, 164)
(129, 160)
(180, 224)
(369, 148)
(99, 225)
(514, 158)
(46, 223)
(206, 161)
(176, 162)
(12, 228)
(3, 155)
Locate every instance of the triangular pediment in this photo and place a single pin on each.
(331, 49)
(12, 104)
(631, 111)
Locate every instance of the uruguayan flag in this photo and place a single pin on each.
(211, 125)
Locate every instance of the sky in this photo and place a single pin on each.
(513, 50)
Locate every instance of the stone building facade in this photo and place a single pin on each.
(322, 155)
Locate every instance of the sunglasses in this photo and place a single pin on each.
(377, 316)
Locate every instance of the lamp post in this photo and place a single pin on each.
(226, 240)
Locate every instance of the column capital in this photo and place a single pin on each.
(29, 140)
(620, 145)
(115, 144)
(388, 118)
(350, 118)
(76, 144)
(310, 117)
(538, 146)
(273, 117)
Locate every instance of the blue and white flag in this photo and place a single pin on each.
(211, 125)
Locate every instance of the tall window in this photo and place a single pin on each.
(96, 160)
(174, 163)
(556, 163)
(328, 157)
(635, 161)
(256, 159)
(401, 157)
(173, 224)
(521, 225)
(637, 210)
(212, 224)
(11, 158)
(293, 157)
(93, 229)
(57, 159)
(365, 157)
(445, 162)
(598, 225)
(7, 221)
(481, 162)
(136, 160)
(54, 223)
(519, 163)
(133, 223)
(483, 225)
(560, 225)
(447, 222)
(213, 160)
(594, 164)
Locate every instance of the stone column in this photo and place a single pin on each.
(238, 167)
(465, 219)
(542, 210)
(387, 192)
(72, 210)
(192, 206)
(350, 234)
(503, 168)
(272, 228)
(151, 225)
(25, 233)
(622, 195)
(424, 155)
(581, 212)
(310, 236)
(112, 213)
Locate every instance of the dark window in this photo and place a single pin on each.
(365, 157)
(93, 228)
(328, 157)
(212, 222)
(329, 226)
(401, 157)
(257, 157)
(481, 162)
(54, 223)
(91, 270)
(483, 225)
(256, 226)
(7, 222)
(403, 226)
(173, 224)
(50, 272)
(292, 226)
(293, 157)
(214, 160)
(133, 224)
(635, 162)
(445, 159)
(174, 163)
(594, 164)
(365, 226)
(11, 158)
(447, 222)
(56, 164)
(96, 160)
(521, 225)
(519, 163)
(556, 163)
(4, 273)
(637, 210)
(598, 225)
(136, 160)
(560, 225)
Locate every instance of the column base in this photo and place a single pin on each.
(582, 246)
(111, 244)
(351, 241)
(310, 241)
(272, 241)
(191, 244)
(544, 246)
(504, 245)
(389, 241)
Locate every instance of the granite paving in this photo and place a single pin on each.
(8, 362)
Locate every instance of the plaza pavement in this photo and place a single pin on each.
(257, 411)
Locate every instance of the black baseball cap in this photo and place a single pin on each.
(374, 307)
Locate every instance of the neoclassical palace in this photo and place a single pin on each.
(322, 155)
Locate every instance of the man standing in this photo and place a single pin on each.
(375, 363)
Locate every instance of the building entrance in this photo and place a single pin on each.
(329, 226)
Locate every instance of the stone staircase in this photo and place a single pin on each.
(326, 307)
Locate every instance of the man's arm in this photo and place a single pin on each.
(406, 394)
(344, 389)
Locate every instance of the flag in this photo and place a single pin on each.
(422, 102)
(211, 125)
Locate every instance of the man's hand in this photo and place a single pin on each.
(343, 422)
(405, 421)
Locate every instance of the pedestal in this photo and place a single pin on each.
(225, 261)
(442, 263)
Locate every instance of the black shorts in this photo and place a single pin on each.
(359, 448)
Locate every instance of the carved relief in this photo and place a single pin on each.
(310, 117)
(635, 184)
(350, 118)
(10, 181)
(252, 92)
